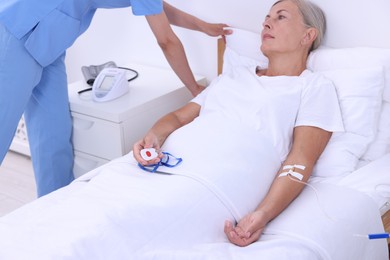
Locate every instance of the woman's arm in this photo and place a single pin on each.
(159, 132)
(308, 144)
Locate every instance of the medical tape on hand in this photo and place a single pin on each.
(292, 171)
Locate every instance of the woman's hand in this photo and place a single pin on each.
(157, 135)
(248, 229)
(149, 141)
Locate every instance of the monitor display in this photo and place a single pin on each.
(107, 82)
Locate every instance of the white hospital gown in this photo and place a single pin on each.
(245, 129)
(273, 106)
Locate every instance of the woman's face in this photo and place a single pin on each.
(283, 29)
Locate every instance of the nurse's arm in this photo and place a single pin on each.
(173, 51)
(179, 18)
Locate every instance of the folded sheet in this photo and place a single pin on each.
(333, 220)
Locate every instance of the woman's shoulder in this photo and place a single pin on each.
(315, 78)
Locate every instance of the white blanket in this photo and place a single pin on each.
(106, 218)
(239, 173)
(117, 213)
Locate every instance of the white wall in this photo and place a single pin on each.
(117, 35)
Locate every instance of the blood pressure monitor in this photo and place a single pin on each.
(110, 84)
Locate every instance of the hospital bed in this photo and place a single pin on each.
(347, 198)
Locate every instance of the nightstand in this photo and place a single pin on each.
(103, 131)
(20, 142)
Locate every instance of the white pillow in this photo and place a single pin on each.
(361, 57)
(360, 96)
(243, 49)
(381, 143)
(327, 58)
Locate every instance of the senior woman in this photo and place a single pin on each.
(258, 132)
(285, 103)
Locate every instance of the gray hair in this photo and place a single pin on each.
(313, 17)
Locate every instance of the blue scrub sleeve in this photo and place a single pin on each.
(146, 7)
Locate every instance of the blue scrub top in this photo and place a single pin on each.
(56, 24)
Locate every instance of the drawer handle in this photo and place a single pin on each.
(82, 124)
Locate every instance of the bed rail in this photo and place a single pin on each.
(386, 224)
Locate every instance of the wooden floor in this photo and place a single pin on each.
(17, 184)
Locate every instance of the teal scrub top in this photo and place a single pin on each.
(52, 26)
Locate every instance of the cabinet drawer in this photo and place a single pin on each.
(135, 128)
(97, 137)
(84, 163)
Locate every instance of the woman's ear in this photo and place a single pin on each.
(310, 36)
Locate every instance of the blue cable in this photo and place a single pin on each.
(378, 236)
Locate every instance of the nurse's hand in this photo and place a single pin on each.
(247, 230)
(195, 91)
(216, 29)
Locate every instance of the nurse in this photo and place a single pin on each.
(34, 36)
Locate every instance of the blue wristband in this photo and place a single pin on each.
(164, 162)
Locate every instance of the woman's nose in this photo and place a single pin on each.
(267, 24)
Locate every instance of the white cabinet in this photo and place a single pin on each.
(20, 142)
(107, 130)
